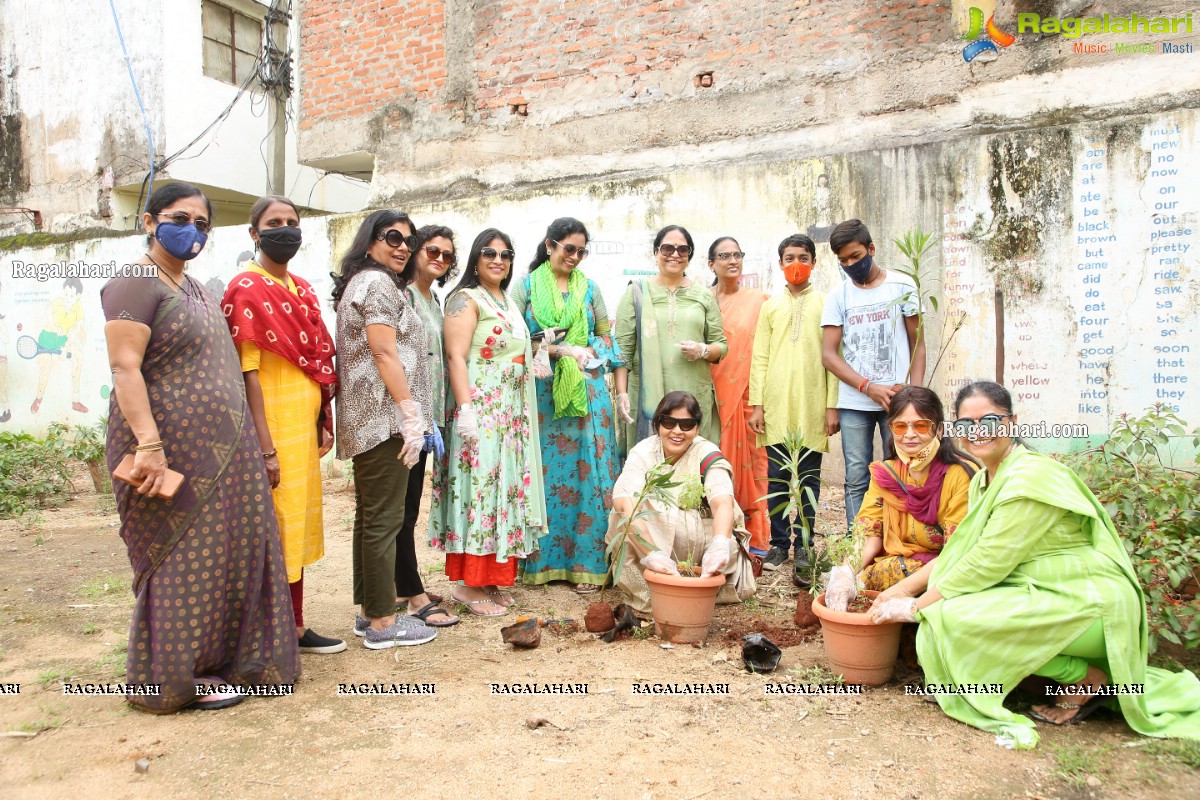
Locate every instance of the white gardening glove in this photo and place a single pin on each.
(541, 361)
(898, 609)
(716, 557)
(693, 351)
(622, 403)
(580, 354)
(468, 425)
(841, 589)
(658, 561)
(412, 428)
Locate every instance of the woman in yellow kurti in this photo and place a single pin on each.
(916, 498)
(287, 361)
(791, 393)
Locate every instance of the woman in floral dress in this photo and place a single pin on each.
(575, 411)
(489, 510)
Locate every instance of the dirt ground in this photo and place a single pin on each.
(64, 612)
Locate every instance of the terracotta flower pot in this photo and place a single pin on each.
(858, 649)
(682, 607)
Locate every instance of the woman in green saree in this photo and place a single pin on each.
(1036, 581)
(669, 331)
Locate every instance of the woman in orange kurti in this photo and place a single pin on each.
(731, 379)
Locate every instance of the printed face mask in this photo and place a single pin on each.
(280, 244)
(859, 270)
(181, 241)
(797, 272)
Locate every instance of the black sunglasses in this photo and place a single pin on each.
(181, 218)
(987, 426)
(395, 238)
(737, 254)
(684, 424)
(668, 250)
(436, 253)
(571, 249)
(490, 253)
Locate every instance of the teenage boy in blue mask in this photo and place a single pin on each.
(870, 343)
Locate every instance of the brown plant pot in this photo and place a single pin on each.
(858, 649)
(682, 607)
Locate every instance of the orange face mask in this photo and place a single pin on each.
(797, 272)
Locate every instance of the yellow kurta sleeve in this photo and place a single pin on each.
(831, 390)
(760, 358)
(953, 506)
(251, 356)
(870, 514)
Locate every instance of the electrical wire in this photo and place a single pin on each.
(137, 94)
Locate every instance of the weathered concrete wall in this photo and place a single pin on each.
(609, 87)
(1084, 235)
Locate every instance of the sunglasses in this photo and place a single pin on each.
(491, 253)
(180, 218)
(685, 424)
(986, 426)
(436, 253)
(571, 250)
(669, 250)
(738, 256)
(395, 238)
(920, 426)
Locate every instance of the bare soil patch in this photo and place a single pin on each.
(64, 615)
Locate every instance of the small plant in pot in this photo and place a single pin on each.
(857, 649)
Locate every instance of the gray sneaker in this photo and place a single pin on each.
(401, 633)
(361, 623)
(775, 558)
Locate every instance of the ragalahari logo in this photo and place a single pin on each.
(984, 37)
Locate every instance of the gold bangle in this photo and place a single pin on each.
(149, 447)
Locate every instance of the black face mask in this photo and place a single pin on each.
(859, 270)
(279, 244)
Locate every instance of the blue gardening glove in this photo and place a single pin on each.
(434, 443)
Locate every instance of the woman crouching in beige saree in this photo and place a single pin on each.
(696, 521)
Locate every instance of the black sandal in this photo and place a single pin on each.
(433, 608)
(1082, 710)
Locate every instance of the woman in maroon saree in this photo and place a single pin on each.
(212, 603)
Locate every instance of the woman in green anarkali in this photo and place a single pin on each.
(669, 331)
(1036, 581)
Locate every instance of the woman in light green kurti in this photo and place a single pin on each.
(1036, 581)
(681, 333)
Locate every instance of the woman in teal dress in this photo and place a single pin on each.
(670, 331)
(489, 510)
(1036, 581)
(578, 437)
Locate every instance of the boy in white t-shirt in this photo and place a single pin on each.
(870, 340)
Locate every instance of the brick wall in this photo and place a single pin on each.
(359, 55)
(354, 54)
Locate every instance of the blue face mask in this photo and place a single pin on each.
(181, 241)
(859, 270)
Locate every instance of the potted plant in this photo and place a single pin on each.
(857, 649)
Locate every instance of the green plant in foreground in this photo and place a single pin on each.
(1156, 510)
(791, 500)
(658, 486)
(34, 473)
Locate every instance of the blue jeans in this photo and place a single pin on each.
(858, 445)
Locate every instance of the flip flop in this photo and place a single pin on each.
(470, 604)
(215, 701)
(586, 588)
(1083, 710)
(430, 610)
(501, 598)
(402, 605)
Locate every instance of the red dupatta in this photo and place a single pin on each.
(258, 309)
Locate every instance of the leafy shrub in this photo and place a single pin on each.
(34, 473)
(1156, 510)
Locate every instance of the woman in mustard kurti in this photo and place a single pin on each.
(287, 361)
(916, 498)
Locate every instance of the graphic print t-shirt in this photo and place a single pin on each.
(874, 339)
